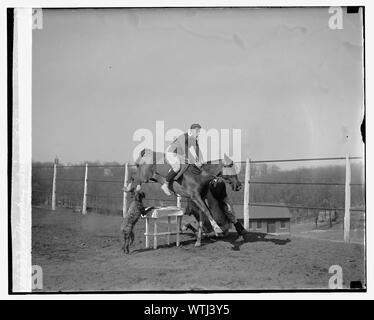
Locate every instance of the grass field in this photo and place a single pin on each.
(335, 234)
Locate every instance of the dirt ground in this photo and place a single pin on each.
(83, 253)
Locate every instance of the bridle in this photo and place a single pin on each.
(231, 176)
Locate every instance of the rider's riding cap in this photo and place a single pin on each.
(195, 126)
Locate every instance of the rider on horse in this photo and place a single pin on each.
(178, 152)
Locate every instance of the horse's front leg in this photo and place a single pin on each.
(230, 214)
(229, 210)
(201, 205)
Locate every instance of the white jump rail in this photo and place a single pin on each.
(160, 213)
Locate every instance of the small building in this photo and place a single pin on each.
(327, 215)
(268, 219)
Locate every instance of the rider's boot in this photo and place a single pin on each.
(169, 180)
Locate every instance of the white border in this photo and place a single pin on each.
(3, 102)
(21, 165)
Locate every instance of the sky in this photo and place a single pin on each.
(292, 85)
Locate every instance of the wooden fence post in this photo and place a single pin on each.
(179, 205)
(179, 198)
(124, 206)
(84, 206)
(54, 187)
(147, 224)
(347, 207)
(246, 194)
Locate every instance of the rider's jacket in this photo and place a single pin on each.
(181, 146)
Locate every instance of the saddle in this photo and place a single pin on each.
(194, 169)
(179, 177)
(182, 170)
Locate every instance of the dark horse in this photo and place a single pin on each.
(193, 184)
(218, 203)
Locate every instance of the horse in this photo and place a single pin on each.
(219, 205)
(193, 183)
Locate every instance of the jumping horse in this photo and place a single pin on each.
(194, 183)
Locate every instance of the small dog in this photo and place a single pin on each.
(134, 212)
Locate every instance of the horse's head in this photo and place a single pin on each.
(230, 174)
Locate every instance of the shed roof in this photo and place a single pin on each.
(267, 211)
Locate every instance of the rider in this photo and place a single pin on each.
(178, 152)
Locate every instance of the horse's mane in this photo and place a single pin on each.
(217, 161)
(149, 156)
(226, 161)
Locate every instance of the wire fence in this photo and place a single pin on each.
(65, 174)
(50, 166)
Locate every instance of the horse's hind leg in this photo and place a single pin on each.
(199, 233)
